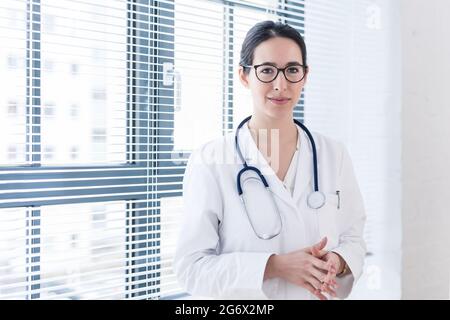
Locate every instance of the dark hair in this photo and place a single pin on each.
(266, 30)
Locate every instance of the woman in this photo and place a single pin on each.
(299, 238)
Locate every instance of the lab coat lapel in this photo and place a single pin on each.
(304, 167)
(255, 158)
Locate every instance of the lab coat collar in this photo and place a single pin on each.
(304, 164)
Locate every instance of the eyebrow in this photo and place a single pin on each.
(287, 64)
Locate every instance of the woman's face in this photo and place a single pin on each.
(279, 52)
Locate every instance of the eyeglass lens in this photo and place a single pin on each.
(268, 73)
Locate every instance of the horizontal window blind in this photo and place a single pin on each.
(353, 96)
(101, 104)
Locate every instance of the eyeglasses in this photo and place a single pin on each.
(267, 73)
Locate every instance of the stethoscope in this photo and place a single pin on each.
(315, 199)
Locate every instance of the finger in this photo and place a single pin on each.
(314, 291)
(327, 282)
(331, 275)
(319, 275)
(314, 282)
(330, 264)
(327, 278)
(319, 246)
(332, 269)
(320, 264)
(328, 289)
(334, 285)
(327, 285)
(318, 253)
(320, 295)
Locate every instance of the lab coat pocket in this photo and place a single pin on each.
(328, 216)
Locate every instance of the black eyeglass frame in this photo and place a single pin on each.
(305, 68)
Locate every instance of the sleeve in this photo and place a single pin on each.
(352, 247)
(200, 268)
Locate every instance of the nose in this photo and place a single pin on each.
(280, 83)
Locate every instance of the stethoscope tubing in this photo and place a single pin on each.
(241, 157)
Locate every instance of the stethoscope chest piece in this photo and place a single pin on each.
(316, 200)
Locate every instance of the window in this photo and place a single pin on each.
(98, 94)
(48, 154)
(13, 61)
(74, 69)
(198, 75)
(73, 193)
(49, 110)
(48, 22)
(74, 111)
(13, 123)
(12, 108)
(49, 65)
(82, 252)
(12, 153)
(13, 284)
(74, 153)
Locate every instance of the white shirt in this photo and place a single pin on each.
(289, 179)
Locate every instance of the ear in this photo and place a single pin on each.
(306, 75)
(243, 77)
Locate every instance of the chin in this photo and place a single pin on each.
(279, 112)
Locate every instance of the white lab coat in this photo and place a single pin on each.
(219, 255)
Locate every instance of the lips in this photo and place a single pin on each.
(279, 100)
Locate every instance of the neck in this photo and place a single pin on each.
(286, 127)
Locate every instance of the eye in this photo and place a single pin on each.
(293, 70)
(267, 70)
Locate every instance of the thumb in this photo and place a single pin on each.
(316, 249)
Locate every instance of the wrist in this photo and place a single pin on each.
(342, 265)
(272, 267)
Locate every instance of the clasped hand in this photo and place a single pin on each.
(333, 264)
(312, 268)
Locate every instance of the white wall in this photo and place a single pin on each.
(426, 149)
